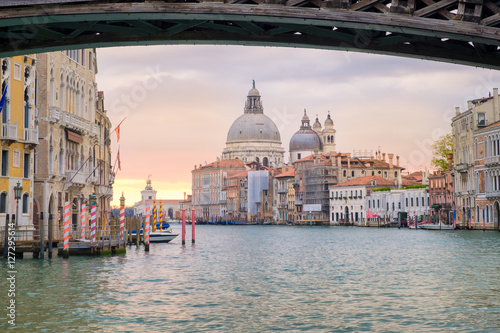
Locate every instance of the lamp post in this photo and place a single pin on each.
(18, 190)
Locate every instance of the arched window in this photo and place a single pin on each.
(265, 161)
(26, 199)
(266, 206)
(3, 202)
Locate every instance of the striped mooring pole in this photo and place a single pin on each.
(66, 231)
(122, 218)
(146, 230)
(84, 218)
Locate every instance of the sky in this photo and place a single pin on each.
(178, 103)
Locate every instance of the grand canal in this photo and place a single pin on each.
(270, 278)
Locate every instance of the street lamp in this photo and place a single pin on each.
(18, 191)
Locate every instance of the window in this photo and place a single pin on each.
(373, 173)
(481, 119)
(17, 71)
(5, 162)
(352, 173)
(345, 173)
(411, 202)
(25, 203)
(298, 156)
(395, 173)
(406, 202)
(16, 158)
(3, 202)
(416, 202)
(26, 165)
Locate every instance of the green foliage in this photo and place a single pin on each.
(440, 150)
(416, 186)
(381, 189)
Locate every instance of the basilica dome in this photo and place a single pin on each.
(305, 139)
(253, 136)
(253, 127)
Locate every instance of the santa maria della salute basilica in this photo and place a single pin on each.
(255, 137)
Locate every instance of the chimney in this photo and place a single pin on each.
(383, 157)
(348, 160)
(390, 156)
(450, 161)
(457, 110)
(496, 109)
(339, 160)
(397, 160)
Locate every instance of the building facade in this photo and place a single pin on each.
(19, 138)
(481, 113)
(73, 157)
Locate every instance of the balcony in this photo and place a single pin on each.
(76, 177)
(104, 190)
(54, 114)
(9, 132)
(298, 202)
(462, 167)
(493, 195)
(31, 136)
(282, 206)
(492, 161)
(282, 190)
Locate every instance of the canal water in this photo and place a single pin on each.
(269, 278)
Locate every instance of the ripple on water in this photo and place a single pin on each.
(285, 279)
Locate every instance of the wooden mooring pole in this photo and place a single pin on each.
(5, 240)
(42, 236)
(51, 226)
(137, 231)
(192, 227)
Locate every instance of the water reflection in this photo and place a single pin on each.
(292, 279)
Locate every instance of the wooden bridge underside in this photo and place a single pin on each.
(456, 31)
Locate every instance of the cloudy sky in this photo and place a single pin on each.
(179, 102)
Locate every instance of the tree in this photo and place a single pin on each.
(440, 150)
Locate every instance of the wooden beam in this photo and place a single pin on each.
(434, 7)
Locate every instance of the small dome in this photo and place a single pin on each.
(317, 125)
(305, 117)
(328, 121)
(253, 91)
(305, 139)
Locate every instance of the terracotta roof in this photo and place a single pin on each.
(289, 173)
(495, 124)
(240, 175)
(231, 163)
(367, 180)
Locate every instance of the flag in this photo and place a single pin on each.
(117, 130)
(2, 101)
(118, 159)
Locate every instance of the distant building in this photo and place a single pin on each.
(171, 208)
(441, 195)
(209, 182)
(310, 140)
(254, 136)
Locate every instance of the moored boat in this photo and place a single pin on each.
(436, 226)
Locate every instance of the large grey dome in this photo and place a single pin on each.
(253, 127)
(305, 139)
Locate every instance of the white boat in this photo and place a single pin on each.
(161, 237)
(436, 226)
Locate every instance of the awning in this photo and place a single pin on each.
(73, 136)
(436, 206)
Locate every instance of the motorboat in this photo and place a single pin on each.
(436, 226)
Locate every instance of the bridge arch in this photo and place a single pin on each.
(450, 31)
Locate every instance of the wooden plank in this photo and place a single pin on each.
(433, 8)
(362, 4)
(443, 12)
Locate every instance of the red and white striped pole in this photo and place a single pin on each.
(192, 226)
(84, 222)
(66, 231)
(154, 216)
(146, 229)
(183, 225)
(93, 228)
(122, 218)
